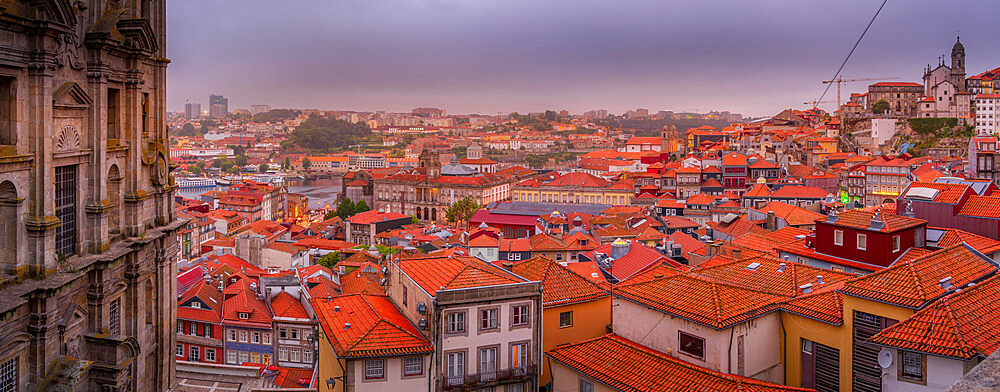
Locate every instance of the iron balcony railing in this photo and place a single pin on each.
(474, 381)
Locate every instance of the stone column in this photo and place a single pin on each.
(96, 238)
(41, 221)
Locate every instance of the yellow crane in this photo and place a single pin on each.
(840, 80)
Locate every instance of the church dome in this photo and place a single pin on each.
(457, 169)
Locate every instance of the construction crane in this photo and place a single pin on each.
(840, 79)
(814, 103)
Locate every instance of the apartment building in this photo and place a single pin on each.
(485, 321)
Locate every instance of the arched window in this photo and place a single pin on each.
(434, 214)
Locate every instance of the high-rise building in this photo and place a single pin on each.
(192, 110)
(258, 109)
(218, 106)
(88, 231)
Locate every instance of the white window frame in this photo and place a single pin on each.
(374, 369)
(295, 355)
(210, 354)
(231, 357)
(179, 351)
(896, 243)
(454, 324)
(862, 242)
(413, 366)
(282, 354)
(838, 237)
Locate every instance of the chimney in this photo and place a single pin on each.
(806, 288)
(737, 252)
(336, 308)
(508, 266)
(819, 280)
(347, 325)
(713, 249)
(619, 248)
(771, 224)
(781, 267)
(945, 283)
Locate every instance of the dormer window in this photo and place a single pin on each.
(244, 316)
(196, 305)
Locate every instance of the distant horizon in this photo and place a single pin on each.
(489, 56)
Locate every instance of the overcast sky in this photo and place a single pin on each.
(488, 56)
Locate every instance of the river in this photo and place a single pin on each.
(319, 191)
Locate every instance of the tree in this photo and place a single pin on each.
(462, 210)
(233, 170)
(286, 164)
(461, 152)
(240, 160)
(194, 169)
(330, 214)
(329, 260)
(276, 115)
(361, 206)
(187, 130)
(200, 164)
(306, 163)
(345, 209)
(321, 133)
(263, 168)
(880, 107)
(414, 220)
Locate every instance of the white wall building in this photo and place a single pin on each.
(987, 117)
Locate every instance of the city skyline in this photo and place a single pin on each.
(491, 57)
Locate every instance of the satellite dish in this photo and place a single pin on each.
(885, 358)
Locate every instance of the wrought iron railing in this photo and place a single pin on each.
(484, 379)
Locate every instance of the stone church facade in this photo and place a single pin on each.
(87, 225)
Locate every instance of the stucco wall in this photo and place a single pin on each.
(590, 320)
(939, 374)
(567, 379)
(660, 331)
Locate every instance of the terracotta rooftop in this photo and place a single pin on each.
(964, 324)
(284, 305)
(454, 272)
(560, 285)
(859, 219)
(627, 366)
(914, 283)
(700, 300)
(368, 326)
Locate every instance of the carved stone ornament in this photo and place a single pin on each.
(160, 171)
(68, 139)
(69, 45)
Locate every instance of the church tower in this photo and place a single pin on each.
(431, 162)
(958, 65)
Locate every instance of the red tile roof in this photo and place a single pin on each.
(368, 326)
(631, 367)
(799, 192)
(358, 282)
(964, 324)
(638, 258)
(284, 305)
(826, 306)
(912, 284)
(374, 216)
(981, 207)
(859, 219)
(205, 293)
(455, 272)
(771, 275)
(560, 285)
(951, 237)
(793, 215)
(700, 300)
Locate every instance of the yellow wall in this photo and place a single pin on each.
(590, 320)
(797, 328)
(328, 365)
(624, 197)
(839, 337)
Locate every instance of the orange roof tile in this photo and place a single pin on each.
(560, 285)
(859, 219)
(455, 272)
(912, 284)
(964, 324)
(981, 207)
(771, 275)
(367, 326)
(951, 237)
(284, 305)
(357, 282)
(630, 367)
(700, 300)
(826, 306)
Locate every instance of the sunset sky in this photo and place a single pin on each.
(490, 56)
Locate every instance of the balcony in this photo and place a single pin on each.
(475, 381)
